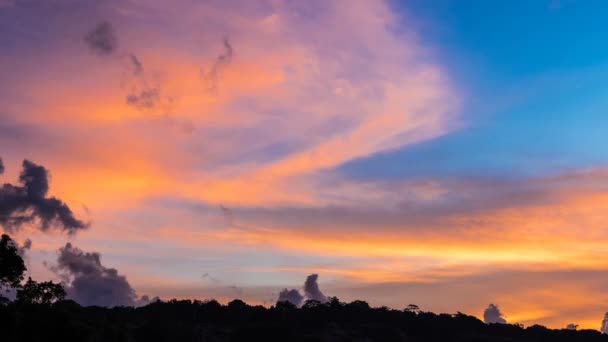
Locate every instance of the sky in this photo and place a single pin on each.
(442, 153)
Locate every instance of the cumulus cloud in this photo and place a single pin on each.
(29, 204)
(293, 296)
(311, 292)
(102, 39)
(311, 289)
(88, 282)
(492, 314)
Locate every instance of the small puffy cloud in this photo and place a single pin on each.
(311, 292)
(311, 289)
(492, 314)
(293, 296)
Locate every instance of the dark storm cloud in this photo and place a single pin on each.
(293, 296)
(311, 289)
(211, 76)
(88, 282)
(102, 39)
(28, 203)
(492, 314)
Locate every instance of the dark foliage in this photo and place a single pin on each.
(45, 292)
(11, 263)
(185, 320)
(12, 270)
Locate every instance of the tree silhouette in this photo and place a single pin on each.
(11, 263)
(45, 292)
(40, 313)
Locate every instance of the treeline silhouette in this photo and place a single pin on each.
(186, 320)
(40, 312)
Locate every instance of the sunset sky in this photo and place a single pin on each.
(449, 154)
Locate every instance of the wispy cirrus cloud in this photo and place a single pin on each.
(296, 71)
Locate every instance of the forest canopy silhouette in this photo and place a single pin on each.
(39, 311)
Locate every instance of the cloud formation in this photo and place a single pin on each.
(604, 327)
(27, 245)
(138, 68)
(293, 296)
(145, 99)
(311, 289)
(88, 282)
(102, 39)
(211, 76)
(295, 70)
(29, 204)
(1, 166)
(142, 96)
(492, 314)
(311, 292)
(145, 300)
